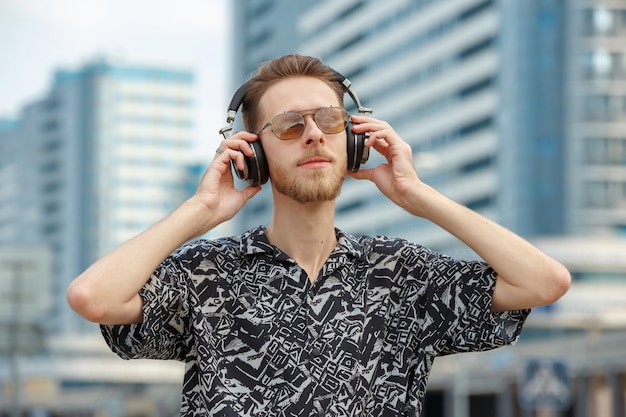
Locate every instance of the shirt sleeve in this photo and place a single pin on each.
(458, 303)
(161, 334)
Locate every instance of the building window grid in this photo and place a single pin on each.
(604, 108)
(338, 19)
(451, 137)
(167, 100)
(603, 65)
(605, 194)
(416, 42)
(604, 151)
(164, 143)
(424, 75)
(152, 119)
(603, 22)
(440, 104)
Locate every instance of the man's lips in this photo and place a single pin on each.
(314, 162)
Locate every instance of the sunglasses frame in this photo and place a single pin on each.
(303, 113)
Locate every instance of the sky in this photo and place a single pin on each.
(39, 36)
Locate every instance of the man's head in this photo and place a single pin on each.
(311, 165)
(271, 72)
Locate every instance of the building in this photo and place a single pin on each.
(598, 114)
(106, 153)
(101, 157)
(506, 104)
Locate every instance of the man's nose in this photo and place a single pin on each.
(312, 133)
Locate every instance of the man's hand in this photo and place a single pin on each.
(397, 178)
(216, 190)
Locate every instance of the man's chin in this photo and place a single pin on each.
(314, 191)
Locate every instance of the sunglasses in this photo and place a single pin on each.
(290, 125)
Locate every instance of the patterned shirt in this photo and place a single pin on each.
(259, 339)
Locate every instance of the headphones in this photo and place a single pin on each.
(256, 171)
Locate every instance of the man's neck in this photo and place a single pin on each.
(305, 232)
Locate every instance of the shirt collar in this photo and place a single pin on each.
(255, 241)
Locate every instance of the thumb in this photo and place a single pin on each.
(361, 174)
(250, 191)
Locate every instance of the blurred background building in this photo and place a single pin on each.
(512, 108)
(104, 155)
(516, 109)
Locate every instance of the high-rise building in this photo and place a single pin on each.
(597, 128)
(514, 109)
(101, 157)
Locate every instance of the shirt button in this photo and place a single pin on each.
(316, 352)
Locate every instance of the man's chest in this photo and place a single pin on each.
(274, 336)
(266, 305)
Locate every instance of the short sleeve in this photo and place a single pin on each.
(459, 300)
(161, 334)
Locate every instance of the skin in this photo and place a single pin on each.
(306, 174)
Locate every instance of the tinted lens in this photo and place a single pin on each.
(331, 119)
(288, 125)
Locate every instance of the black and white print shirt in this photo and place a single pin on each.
(259, 339)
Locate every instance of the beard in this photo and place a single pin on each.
(313, 186)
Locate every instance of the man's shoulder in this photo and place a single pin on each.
(387, 245)
(229, 246)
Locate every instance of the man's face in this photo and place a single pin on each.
(313, 166)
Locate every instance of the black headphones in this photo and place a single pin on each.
(256, 171)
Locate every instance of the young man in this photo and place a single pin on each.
(299, 318)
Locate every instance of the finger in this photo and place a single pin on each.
(375, 128)
(243, 135)
(380, 144)
(239, 141)
(228, 155)
(250, 191)
(359, 118)
(239, 159)
(361, 174)
(241, 146)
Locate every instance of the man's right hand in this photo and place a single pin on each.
(216, 190)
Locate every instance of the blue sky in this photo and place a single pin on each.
(39, 36)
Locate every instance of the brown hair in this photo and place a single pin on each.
(269, 73)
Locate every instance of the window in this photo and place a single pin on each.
(603, 65)
(604, 108)
(603, 194)
(598, 22)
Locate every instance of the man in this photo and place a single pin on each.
(299, 318)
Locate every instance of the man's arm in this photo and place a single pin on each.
(108, 291)
(527, 277)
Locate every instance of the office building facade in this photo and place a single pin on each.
(104, 155)
(512, 108)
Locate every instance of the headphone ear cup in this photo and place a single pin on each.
(358, 153)
(263, 170)
(256, 171)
